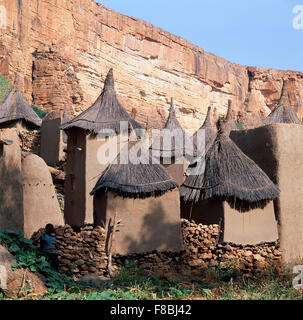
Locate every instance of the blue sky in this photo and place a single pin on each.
(255, 33)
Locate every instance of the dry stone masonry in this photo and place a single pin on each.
(84, 252)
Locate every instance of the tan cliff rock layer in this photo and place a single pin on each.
(63, 49)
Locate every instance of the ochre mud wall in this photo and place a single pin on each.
(278, 150)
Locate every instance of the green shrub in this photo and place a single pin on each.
(5, 88)
(143, 93)
(28, 256)
(40, 112)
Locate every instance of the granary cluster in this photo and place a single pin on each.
(138, 190)
(28, 199)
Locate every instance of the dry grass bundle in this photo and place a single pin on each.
(283, 112)
(65, 119)
(229, 173)
(230, 123)
(15, 108)
(105, 114)
(133, 179)
(210, 134)
(178, 142)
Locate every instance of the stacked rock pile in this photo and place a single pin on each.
(83, 252)
(30, 141)
(80, 252)
(204, 249)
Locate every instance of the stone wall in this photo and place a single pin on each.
(83, 253)
(204, 249)
(30, 141)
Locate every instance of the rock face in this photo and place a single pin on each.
(62, 51)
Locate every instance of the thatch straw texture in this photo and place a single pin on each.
(230, 123)
(283, 112)
(175, 147)
(15, 107)
(210, 135)
(135, 179)
(228, 173)
(105, 114)
(66, 118)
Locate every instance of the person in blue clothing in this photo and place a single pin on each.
(48, 246)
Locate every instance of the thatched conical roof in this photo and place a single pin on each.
(228, 173)
(15, 107)
(230, 124)
(105, 114)
(283, 112)
(133, 179)
(178, 142)
(66, 118)
(210, 133)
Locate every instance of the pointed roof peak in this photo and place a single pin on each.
(66, 116)
(222, 127)
(109, 80)
(209, 134)
(173, 149)
(172, 111)
(229, 121)
(16, 83)
(284, 98)
(172, 121)
(106, 113)
(283, 112)
(229, 114)
(207, 120)
(15, 107)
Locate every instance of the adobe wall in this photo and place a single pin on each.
(83, 171)
(255, 226)
(252, 227)
(176, 169)
(278, 150)
(51, 144)
(29, 137)
(74, 189)
(11, 191)
(94, 168)
(40, 202)
(147, 224)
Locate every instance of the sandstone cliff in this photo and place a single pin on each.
(63, 49)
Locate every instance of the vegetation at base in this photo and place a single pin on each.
(5, 88)
(28, 256)
(239, 125)
(40, 112)
(130, 284)
(60, 198)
